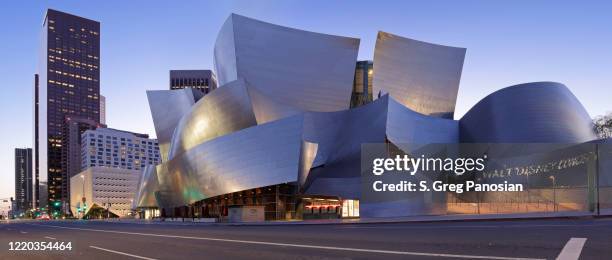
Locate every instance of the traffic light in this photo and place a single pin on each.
(57, 207)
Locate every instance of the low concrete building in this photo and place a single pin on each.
(99, 188)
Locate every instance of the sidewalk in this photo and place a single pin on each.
(411, 219)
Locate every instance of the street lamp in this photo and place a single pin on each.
(83, 194)
(131, 207)
(554, 183)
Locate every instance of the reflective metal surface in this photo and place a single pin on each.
(340, 135)
(167, 108)
(311, 71)
(408, 128)
(538, 112)
(307, 156)
(223, 111)
(255, 157)
(267, 109)
(281, 115)
(422, 76)
(148, 184)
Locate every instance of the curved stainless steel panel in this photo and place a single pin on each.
(225, 54)
(339, 137)
(223, 111)
(307, 156)
(255, 157)
(147, 186)
(409, 128)
(538, 112)
(267, 109)
(167, 108)
(422, 76)
(311, 71)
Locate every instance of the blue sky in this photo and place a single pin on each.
(507, 43)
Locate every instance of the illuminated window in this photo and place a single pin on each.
(350, 208)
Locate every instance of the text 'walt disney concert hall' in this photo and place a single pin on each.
(281, 137)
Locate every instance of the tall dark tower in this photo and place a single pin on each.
(201, 80)
(23, 179)
(68, 86)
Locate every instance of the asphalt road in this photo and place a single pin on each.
(533, 239)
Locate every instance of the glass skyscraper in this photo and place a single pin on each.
(23, 179)
(67, 85)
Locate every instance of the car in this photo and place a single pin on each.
(43, 217)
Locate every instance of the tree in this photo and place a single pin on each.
(603, 125)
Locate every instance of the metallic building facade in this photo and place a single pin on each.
(422, 76)
(538, 112)
(221, 112)
(147, 186)
(311, 71)
(282, 115)
(68, 86)
(167, 108)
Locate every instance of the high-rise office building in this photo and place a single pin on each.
(74, 127)
(203, 80)
(23, 179)
(362, 85)
(35, 167)
(107, 147)
(102, 109)
(67, 85)
(72, 140)
(43, 192)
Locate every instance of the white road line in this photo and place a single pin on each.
(50, 238)
(301, 245)
(122, 253)
(571, 250)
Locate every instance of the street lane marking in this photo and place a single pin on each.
(50, 238)
(122, 253)
(300, 245)
(572, 250)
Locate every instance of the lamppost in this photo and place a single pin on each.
(108, 204)
(83, 195)
(554, 183)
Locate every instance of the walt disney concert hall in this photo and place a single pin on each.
(281, 137)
